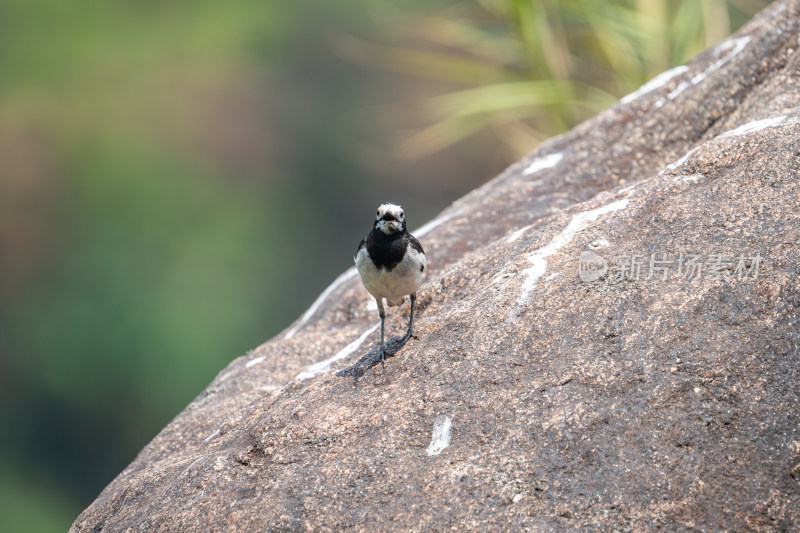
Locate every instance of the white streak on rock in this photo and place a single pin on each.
(532, 275)
(325, 366)
(517, 234)
(757, 125)
(214, 434)
(542, 163)
(500, 277)
(657, 82)
(578, 223)
(441, 435)
(426, 228)
(737, 45)
(682, 160)
(750, 127)
(349, 273)
(195, 462)
(693, 178)
(255, 361)
(682, 86)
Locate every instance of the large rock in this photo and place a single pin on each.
(557, 400)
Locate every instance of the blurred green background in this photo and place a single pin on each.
(179, 180)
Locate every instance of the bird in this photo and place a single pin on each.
(391, 263)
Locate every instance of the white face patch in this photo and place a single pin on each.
(390, 226)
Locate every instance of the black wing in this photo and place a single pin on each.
(362, 244)
(415, 244)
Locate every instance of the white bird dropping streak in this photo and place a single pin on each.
(736, 44)
(682, 86)
(255, 361)
(215, 433)
(325, 366)
(578, 223)
(750, 127)
(517, 234)
(756, 125)
(441, 435)
(657, 82)
(428, 226)
(682, 160)
(541, 163)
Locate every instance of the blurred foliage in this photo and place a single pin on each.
(528, 69)
(173, 176)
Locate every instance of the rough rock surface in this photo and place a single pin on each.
(533, 398)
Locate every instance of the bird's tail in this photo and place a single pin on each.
(395, 302)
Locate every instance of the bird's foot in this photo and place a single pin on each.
(394, 345)
(407, 337)
(382, 356)
(373, 357)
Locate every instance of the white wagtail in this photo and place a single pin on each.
(391, 262)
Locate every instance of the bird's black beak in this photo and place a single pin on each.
(388, 217)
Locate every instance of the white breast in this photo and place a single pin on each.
(403, 279)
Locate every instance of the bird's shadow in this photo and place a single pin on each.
(372, 358)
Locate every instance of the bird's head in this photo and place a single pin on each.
(390, 218)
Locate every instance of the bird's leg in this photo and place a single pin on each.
(410, 332)
(383, 318)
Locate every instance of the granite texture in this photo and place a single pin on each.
(655, 397)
